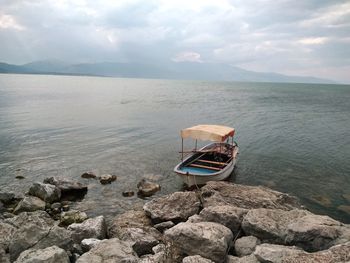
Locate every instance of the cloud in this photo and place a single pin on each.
(188, 56)
(280, 36)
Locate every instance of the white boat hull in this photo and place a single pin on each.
(193, 178)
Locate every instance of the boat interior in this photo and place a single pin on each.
(208, 160)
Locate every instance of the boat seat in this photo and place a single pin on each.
(212, 162)
(205, 167)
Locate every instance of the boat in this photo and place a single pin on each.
(213, 162)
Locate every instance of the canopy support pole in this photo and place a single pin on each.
(195, 148)
(182, 149)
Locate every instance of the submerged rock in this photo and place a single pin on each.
(90, 228)
(207, 239)
(110, 250)
(217, 193)
(29, 204)
(128, 193)
(344, 208)
(178, 206)
(147, 188)
(52, 254)
(7, 197)
(47, 192)
(88, 175)
(107, 178)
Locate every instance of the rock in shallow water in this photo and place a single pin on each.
(7, 197)
(207, 239)
(47, 192)
(70, 190)
(107, 178)
(147, 188)
(88, 175)
(52, 254)
(178, 206)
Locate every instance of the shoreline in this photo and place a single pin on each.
(221, 222)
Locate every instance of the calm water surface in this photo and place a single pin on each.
(293, 137)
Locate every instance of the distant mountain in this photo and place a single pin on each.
(184, 70)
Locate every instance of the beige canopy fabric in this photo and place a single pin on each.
(215, 133)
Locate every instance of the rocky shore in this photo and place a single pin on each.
(221, 222)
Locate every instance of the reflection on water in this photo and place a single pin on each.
(292, 137)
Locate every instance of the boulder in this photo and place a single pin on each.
(88, 175)
(29, 204)
(174, 207)
(196, 259)
(226, 215)
(90, 228)
(245, 246)
(245, 259)
(4, 258)
(35, 230)
(47, 192)
(276, 253)
(128, 219)
(7, 197)
(72, 216)
(89, 243)
(52, 254)
(207, 239)
(162, 253)
(70, 190)
(110, 250)
(295, 227)
(107, 178)
(147, 188)
(216, 193)
(164, 226)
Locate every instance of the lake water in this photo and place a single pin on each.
(293, 138)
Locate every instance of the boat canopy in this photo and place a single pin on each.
(215, 133)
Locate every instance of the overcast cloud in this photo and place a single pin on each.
(310, 37)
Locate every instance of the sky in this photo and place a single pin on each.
(304, 38)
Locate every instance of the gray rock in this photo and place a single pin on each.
(245, 259)
(207, 239)
(226, 215)
(162, 254)
(110, 250)
(29, 204)
(276, 253)
(224, 193)
(128, 219)
(245, 246)
(164, 226)
(295, 227)
(35, 230)
(107, 178)
(72, 216)
(47, 192)
(90, 228)
(89, 243)
(52, 254)
(147, 188)
(173, 207)
(4, 258)
(196, 259)
(7, 197)
(283, 254)
(142, 241)
(56, 206)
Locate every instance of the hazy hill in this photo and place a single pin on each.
(185, 70)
